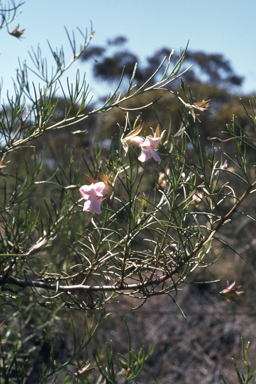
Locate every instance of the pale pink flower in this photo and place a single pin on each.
(148, 145)
(94, 193)
(162, 177)
(197, 197)
(224, 165)
(148, 149)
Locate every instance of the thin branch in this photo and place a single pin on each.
(126, 287)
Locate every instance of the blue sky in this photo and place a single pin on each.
(213, 26)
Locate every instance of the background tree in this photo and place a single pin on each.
(210, 77)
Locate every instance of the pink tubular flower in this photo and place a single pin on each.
(148, 145)
(197, 197)
(148, 149)
(94, 193)
(163, 178)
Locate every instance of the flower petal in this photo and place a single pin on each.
(87, 191)
(98, 189)
(151, 142)
(155, 156)
(101, 188)
(137, 141)
(93, 204)
(145, 155)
